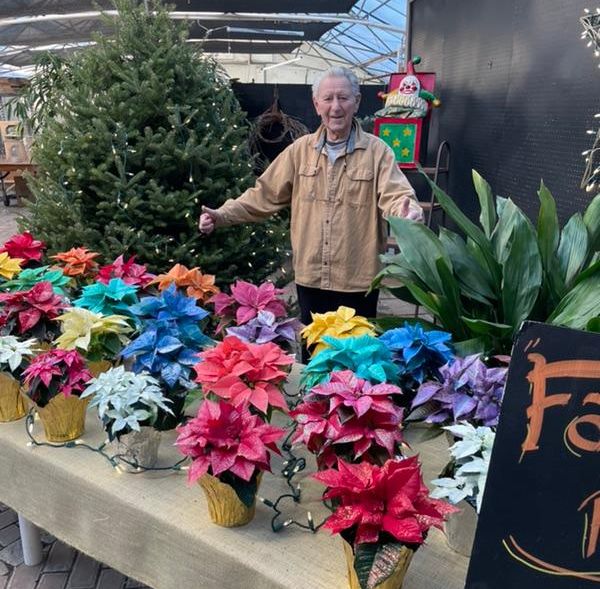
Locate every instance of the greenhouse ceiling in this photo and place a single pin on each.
(249, 37)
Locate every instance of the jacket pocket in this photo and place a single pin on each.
(307, 181)
(359, 189)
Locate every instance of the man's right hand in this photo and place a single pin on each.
(207, 221)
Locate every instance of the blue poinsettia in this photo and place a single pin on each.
(164, 355)
(172, 310)
(419, 354)
(114, 298)
(366, 356)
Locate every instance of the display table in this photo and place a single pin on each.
(155, 528)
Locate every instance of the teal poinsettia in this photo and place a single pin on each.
(29, 277)
(366, 356)
(114, 298)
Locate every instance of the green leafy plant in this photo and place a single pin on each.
(483, 283)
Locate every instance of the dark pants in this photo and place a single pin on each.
(321, 301)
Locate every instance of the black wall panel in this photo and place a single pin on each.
(519, 89)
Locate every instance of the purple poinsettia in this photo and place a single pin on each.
(468, 391)
(265, 328)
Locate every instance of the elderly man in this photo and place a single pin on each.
(341, 184)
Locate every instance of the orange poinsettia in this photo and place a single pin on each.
(78, 261)
(197, 285)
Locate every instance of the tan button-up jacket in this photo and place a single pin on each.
(338, 210)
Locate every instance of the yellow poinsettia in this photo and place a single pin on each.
(9, 266)
(341, 323)
(79, 326)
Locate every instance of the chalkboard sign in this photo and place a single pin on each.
(539, 526)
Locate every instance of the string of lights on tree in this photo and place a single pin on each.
(591, 33)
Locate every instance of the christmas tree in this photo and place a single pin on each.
(136, 133)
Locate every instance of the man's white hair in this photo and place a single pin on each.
(337, 72)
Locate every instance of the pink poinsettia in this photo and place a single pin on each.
(246, 300)
(56, 372)
(223, 438)
(24, 246)
(31, 307)
(375, 502)
(351, 418)
(128, 271)
(245, 373)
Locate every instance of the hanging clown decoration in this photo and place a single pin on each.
(408, 100)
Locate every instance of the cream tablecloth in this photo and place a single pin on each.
(156, 529)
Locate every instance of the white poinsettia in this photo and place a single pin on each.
(471, 457)
(13, 351)
(125, 399)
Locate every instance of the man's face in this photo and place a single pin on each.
(336, 105)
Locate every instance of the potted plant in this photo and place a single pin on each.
(29, 277)
(463, 482)
(14, 354)
(265, 328)
(168, 345)
(365, 355)
(468, 390)
(128, 406)
(245, 374)
(192, 282)
(100, 338)
(230, 448)
(128, 271)
(31, 313)
(114, 298)
(78, 262)
(9, 266)
(54, 382)
(383, 514)
(24, 246)
(349, 418)
(344, 322)
(245, 301)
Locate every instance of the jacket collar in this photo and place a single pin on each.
(357, 139)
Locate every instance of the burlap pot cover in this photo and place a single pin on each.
(97, 367)
(138, 448)
(224, 506)
(63, 418)
(12, 404)
(460, 529)
(394, 581)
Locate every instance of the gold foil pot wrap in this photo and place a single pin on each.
(224, 506)
(394, 581)
(63, 418)
(97, 367)
(12, 403)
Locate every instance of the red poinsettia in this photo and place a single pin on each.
(24, 246)
(223, 438)
(246, 300)
(128, 271)
(78, 261)
(245, 373)
(377, 500)
(351, 418)
(56, 372)
(30, 308)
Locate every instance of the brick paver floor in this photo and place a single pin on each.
(64, 567)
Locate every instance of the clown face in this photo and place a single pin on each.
(410, 85)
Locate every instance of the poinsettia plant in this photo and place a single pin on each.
(15, 354)
(467, 391)
(245, 374)
(24, 246)
(97, 337)
(126, 401)
(128, 271)
(344, 322)
(230, 444)
(114, 298)
(78, 262)
(55, 372)
(9, 266)
(381, 511)
(29, 277)
(245, 301)
(31, 312)
(266, 328)
(349, 418)
(365, 355)
(195, 284)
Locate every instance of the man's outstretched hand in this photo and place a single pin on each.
(207, 221)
